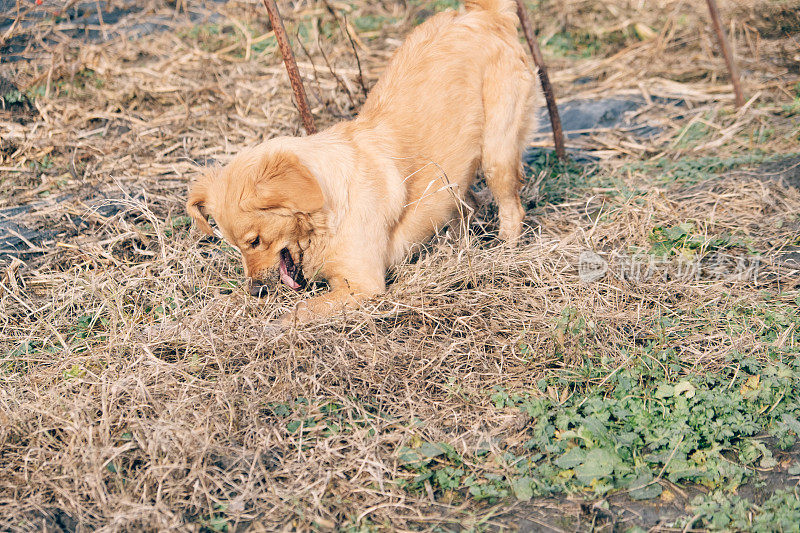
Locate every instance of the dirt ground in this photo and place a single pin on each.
(142, 388)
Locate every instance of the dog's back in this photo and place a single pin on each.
(440, 62)
(456, 96)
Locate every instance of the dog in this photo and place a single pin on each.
(348, 203)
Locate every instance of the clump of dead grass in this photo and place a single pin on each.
(142, 386)
(121, 426)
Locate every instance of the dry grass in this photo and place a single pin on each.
(141, 388)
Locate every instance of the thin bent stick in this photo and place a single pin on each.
(358, 61)
(291, 66)
(738, 96)
(547, 89)
(346, 31)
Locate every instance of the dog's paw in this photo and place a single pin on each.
(292, 318)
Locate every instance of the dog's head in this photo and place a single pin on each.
(262, 202)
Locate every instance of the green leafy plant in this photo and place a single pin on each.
(719, 511)
(669, 240)
(216, 521)
(640, 428)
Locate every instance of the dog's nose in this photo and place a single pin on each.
(257, 288)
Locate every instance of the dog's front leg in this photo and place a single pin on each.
(356, 273)
(341, 296)
(325, 305)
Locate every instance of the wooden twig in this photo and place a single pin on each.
(343, 28)
(339, 81)
(358, 61)
(291, 66)
(312, 89)
(315, 92)
(547, 89)
(738, 96)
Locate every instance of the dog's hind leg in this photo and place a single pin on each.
(508, 106)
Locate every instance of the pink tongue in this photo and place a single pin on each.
(286, 278)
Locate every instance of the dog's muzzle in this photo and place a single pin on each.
(290, 272)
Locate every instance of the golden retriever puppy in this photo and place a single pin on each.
(349, 202)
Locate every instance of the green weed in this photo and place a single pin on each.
(15, 96)
(268, 43)
(646, 423)
(44, 163)
(690, 171)
(681, 238)
(559, 179)
(163, 309)
(437, 5)
(718, 511)
(793, 108)
(75, 372)
(573, 44)
(366, 23)
(88, 77)
(201, 31)
(216, 521)
(333, 417)
(211, 37)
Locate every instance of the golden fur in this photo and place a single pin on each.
(350, 201)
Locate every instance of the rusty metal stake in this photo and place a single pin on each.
(547, 89)
(291, 66)
(738, 96)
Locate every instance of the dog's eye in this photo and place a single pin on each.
(255, 242)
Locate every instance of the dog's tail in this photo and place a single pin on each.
(500, 6)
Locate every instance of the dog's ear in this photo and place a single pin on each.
(195, 205)
(284, 182)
